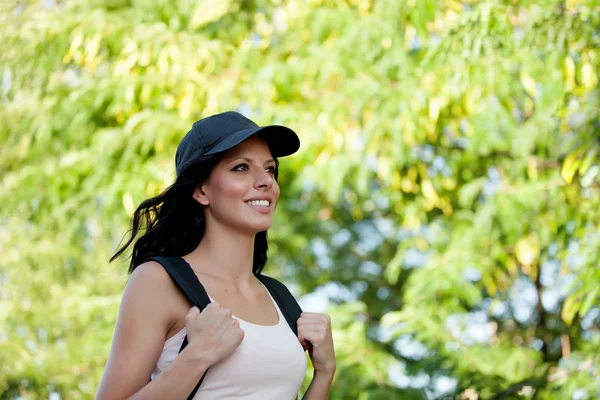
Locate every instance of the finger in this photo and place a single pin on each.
(313, 315)
(313, 328)
(311, 334)
(312, 323)
(316, 337)
(305, 343)
(314, 318)
(192, 313)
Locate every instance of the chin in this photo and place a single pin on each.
(256, 226)
(260, 228)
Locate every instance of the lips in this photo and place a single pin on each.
(262, 206)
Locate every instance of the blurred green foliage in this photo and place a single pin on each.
(445, 198)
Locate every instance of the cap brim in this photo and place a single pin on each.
(282, 141)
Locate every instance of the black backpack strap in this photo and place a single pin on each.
(285, 300)
(184, 277)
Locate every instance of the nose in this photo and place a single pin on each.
(264, 180)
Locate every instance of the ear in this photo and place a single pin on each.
(200, 195)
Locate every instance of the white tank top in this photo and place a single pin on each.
(270, 363)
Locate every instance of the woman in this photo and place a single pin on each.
(215, 217)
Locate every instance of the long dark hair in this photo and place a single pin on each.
(174, 223)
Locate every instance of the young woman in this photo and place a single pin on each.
(215, 217)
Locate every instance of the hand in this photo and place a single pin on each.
(214, 333)
(314, 333)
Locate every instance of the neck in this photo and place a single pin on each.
(225, 253)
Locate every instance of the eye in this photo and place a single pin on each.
(272, 169)
(240, 167)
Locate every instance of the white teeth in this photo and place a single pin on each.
(260, 203)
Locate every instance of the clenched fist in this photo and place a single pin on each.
(214, 333)
(314, 333)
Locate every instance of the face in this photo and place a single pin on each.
(241, 191)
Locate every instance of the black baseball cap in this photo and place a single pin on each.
(221, 132)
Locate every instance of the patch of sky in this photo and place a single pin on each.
(320, 249)
(381, 201)
(371, 162)
(444, 385)
(245, 109)
(499, 309)
(384, 333)
(494, 102)
(549, 274)
(318, 299)
(432, 232)
(523, 299)
(369, 269)
(570, 227)
(31, 345)
(588, 335)
(416, 43)
(462, 143)
(518, 33)
(255, 39)
(550, 300)
(359, 287)
(493, 182)
(426, 153)
(471, 274)
(308, 186)
(590, 318)
(369, 237)
(415, 258)
(398, 376)
(590, 175)
(420, 381)
(359, 142)
(552, 249)
(42, 334)
(537, 344)
(410, 348)
(383, 293)
(434, 39)
(22, 331)
(464, 125)
(6, 81)
(385, 226)
(341, 237)
(565, 284)
(471, 328)
(403, 234)
(574, 258)
(19, 9)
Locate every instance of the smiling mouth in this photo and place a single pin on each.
(259, 203)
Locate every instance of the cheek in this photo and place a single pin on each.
(227, 190)
(232, 192)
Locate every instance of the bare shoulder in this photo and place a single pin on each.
(147, 313)
(149, 272)
(152, 284)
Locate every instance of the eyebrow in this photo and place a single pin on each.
(250, 160)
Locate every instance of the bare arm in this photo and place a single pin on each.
(315, 335)
(143, 323)
(139, 337)
(319, 386)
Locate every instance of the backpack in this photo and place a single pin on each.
(187, 281)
